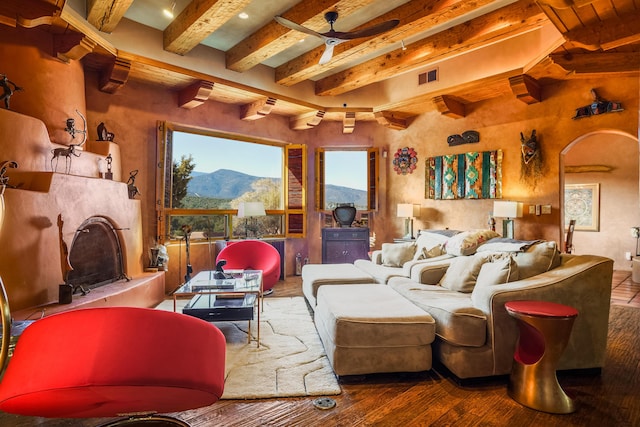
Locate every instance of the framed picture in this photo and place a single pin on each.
(582, 203)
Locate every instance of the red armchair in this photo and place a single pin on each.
(253, 255)
(114, 361)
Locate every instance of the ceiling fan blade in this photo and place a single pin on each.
(366, 32)
(327, 54)
(297, 27)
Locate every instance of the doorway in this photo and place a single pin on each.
(606, 164)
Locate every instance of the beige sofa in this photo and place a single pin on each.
(465, 295)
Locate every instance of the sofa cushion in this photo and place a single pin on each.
(462, 273)
(467, 242)
(541, 257)
(457, 320)
(430, 243)
(396, 254)
(500, 270)
(504, 244)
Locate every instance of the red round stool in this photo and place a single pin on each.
(114, 362)
(545, 328)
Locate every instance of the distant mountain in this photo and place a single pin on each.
(228, 184)
(223, 184)
(337, 194)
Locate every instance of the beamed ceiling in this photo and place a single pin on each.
(442, 56)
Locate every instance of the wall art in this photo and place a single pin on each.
(405, 160)
(467, 137)
(598, 106)
(473, 175)
(582, 203)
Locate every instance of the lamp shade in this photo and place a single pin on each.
(507, 209)
(246, 209)
(408, 210)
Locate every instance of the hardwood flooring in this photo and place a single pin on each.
(434, 399)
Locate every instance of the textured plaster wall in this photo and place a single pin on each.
(500, 122)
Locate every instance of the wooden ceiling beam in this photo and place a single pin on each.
(115, 76)
(197, 21)
(258, 109)
(607, 34)
(195, 94)
(565, 4)
(273, 38)
(306, 121)
(450, 107)
(415, 17)
(349, 122)
(388, 119)
(105, 15)
(514, 19)
(598, 63)
(526, 89)
(69, 47)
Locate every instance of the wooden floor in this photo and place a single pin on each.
(435, 399)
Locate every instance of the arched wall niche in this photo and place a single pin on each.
(581, 162)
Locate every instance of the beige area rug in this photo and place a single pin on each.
(290, 361)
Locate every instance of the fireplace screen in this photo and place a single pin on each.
(95, 255)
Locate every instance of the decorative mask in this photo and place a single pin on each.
(529, 147)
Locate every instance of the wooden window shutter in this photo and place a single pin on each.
(295, 191)
(164, 138)
(319, 190)
(372, 178)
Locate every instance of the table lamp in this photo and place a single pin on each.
(250, 210)
(507, 210)
(408, 211)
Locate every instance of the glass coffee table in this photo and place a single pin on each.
(223, 300)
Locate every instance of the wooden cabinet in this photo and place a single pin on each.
(344, 245)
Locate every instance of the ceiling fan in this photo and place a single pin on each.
(333, 38)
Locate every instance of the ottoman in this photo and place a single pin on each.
(316, 275)
(368, 329)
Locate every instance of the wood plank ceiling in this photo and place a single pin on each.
(602, 39)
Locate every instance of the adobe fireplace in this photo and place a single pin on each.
(95, 256)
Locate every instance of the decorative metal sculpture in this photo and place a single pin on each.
(108, 174)
(529, 147)
(71, 149)
(186, 229)
(467, 137)
(103, 134)
(7, 90)
(131, 184)
(598, 106)
(4, 180)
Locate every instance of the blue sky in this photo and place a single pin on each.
(343, 168)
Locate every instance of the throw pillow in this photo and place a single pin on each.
(462, 273)
(424, 253)
(539, 258)
(396, 254)
(467, 242)
(500, 270)
(430, 243)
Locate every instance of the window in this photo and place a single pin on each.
(203, 176)
(346, 176)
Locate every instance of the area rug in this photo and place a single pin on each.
(290, 361)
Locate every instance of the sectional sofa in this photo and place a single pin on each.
(462, 280)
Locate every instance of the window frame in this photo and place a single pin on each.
(373, 176)
(293, 182)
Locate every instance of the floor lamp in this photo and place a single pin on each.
(507, 210)
(250, 210)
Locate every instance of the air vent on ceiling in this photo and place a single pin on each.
(428, 77)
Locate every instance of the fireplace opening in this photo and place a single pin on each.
(95, 255)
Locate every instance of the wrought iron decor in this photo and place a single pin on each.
(473, 175)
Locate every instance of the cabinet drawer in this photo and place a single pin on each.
(345, 234)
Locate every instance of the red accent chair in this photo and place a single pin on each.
(114, 362)
(253, 255)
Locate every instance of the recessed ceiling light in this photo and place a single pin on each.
(243, 15)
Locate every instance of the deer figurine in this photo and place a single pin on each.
(69, 151)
